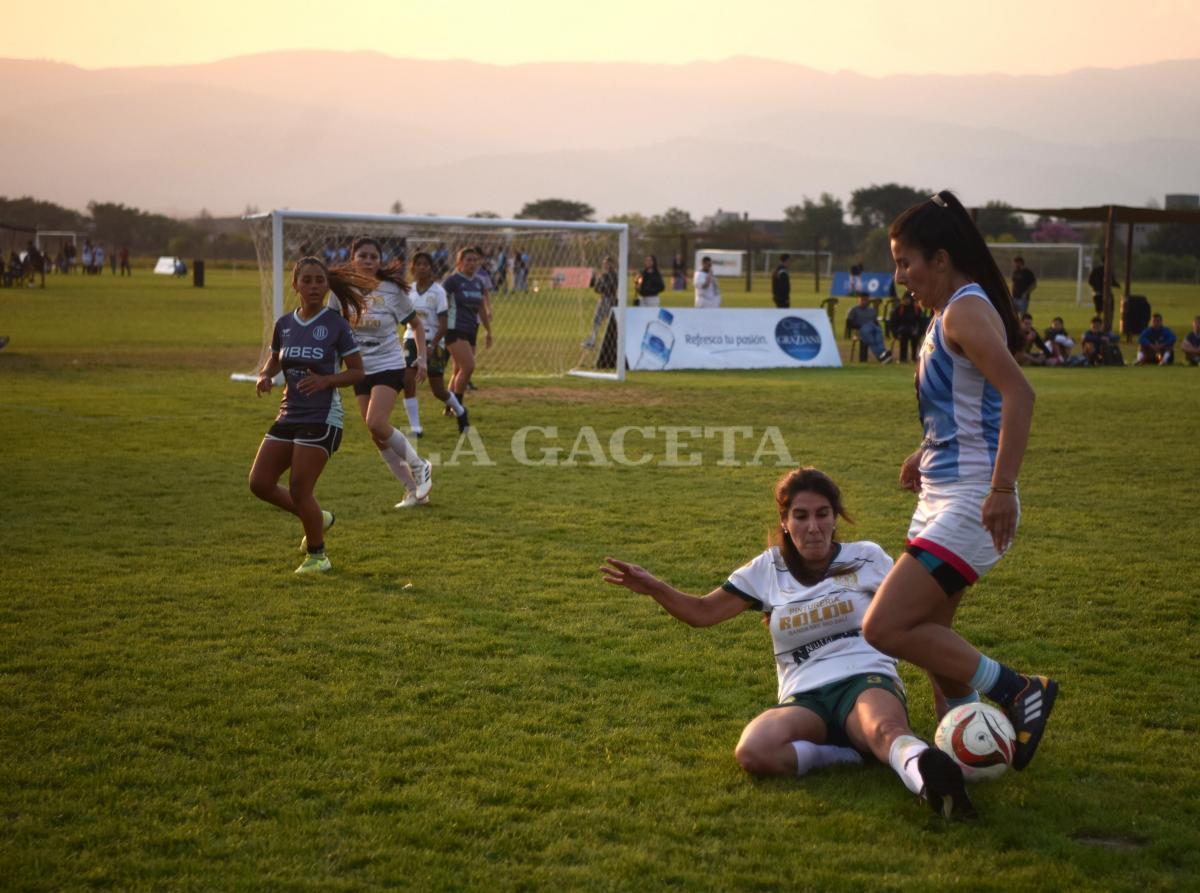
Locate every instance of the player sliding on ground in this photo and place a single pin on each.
(839, 698)
(976, 407)
(429, 298)
(387, 307)
(308, 346)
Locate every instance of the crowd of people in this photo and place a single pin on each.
(31, 266)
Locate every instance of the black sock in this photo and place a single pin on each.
(1007, 687)
(316, 550)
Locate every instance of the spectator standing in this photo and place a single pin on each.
(98, 260)
(69, 256)
(907, 325)
(606, 288)
(126, 270)
(520, 270)
(781, 283)
(86, 257)
(112, 259)
(1023, 284)
(862, 319)
(708, 292)
(1191, 343)
(678, 273)
(649, 282)
(34, 265)
(1156, 344)
(1096, 280)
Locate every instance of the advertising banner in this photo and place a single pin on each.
(689, 338)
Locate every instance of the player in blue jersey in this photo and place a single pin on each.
(387, 307)
(838, 697)
(309, 346)
(976, 407)
(467, 297)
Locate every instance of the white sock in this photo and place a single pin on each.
(399, 468)
(817, 756)
(414, 414)
(403, 448)
(903, 759)
(455, 406)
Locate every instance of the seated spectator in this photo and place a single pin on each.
(1191, 343)
(907, 325)
(862, 319)
(1059, 342)
(1096, 342)
(1035, 351)
(1156, 344)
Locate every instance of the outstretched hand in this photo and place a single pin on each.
(632, 577)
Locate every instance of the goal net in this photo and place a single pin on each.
(1049, 261)
(541, 274)
(801, 261)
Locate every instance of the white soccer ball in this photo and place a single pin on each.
(979, 738)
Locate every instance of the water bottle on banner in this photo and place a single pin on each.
(657, 342)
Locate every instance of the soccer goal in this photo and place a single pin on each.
(802, 260)
(541, 273)
(1047, 260)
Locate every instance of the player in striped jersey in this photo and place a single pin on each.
(388, 307)
(308, 347)
(976, 407)
(838, 696)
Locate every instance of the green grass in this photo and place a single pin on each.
(462, 705)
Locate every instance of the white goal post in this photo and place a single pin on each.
(1047, 260)
(543, 274)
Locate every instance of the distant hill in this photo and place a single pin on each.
(356, 131)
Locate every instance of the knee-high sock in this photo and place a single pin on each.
(455, 406)
(903, 759)
(399, 468)
(811, 756)
(403, 448)
(414, 413)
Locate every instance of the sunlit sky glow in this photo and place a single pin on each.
(868, 36)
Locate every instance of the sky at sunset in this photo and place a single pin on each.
(867, 36)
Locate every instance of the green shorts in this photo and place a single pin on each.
(833, 702)
(435, 359)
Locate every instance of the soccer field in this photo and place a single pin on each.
(462, 704)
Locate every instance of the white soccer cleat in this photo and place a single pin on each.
(411, 501)
(424, 477)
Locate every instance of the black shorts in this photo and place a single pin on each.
(325, 437)
(453, 335)
(435, 360)
(390, 378)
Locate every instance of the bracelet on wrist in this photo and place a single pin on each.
(1004, 489)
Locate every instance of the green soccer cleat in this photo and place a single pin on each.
(315, 564)
(327, 519)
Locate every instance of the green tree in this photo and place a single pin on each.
(556, 209)
(879, 205)
(996, 220)
(671, 222)
(397, 207)
(824, 220)
(1178, 239)
(484, 215)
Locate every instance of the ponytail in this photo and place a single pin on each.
(941, 222)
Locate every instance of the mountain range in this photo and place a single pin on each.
(357, 131)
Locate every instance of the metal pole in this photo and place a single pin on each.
(1128, 257)
(816, 265)
(749, 248)
(1108, 246)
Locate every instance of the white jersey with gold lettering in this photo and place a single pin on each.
(376, 331)
(817, 630)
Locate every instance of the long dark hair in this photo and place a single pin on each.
(393, 272)
(653, 263)
(347, 285)
(941, 222)
(806, 479)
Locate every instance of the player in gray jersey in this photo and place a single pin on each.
(839, 698)
(309, 346)
(388, 307)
